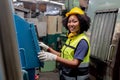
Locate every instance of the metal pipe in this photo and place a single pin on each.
(8, 41)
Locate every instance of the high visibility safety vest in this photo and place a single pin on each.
(68, 50)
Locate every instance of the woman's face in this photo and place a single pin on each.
(73, 24)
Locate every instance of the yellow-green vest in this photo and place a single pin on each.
(68, 49)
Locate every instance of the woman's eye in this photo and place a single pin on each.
(74, 21)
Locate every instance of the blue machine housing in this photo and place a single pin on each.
(28, 43)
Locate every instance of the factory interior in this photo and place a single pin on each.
(25, 23)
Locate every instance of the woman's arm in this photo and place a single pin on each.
(70, 63)
(54, 51)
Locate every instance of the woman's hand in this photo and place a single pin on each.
(44, 46)
(46, 56)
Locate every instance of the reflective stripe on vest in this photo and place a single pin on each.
(70, 46)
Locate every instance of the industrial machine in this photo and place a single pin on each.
(104, 38)
(28, 46)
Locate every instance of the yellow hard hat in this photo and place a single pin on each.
(75, 10)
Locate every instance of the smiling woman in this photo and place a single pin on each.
(73, 24)
(74, 56)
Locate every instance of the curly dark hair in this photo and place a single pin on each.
(84, 22)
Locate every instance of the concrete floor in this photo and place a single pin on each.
(53, 75)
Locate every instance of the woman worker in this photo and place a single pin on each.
(75, 53)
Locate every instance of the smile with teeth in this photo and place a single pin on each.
(71, 28)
